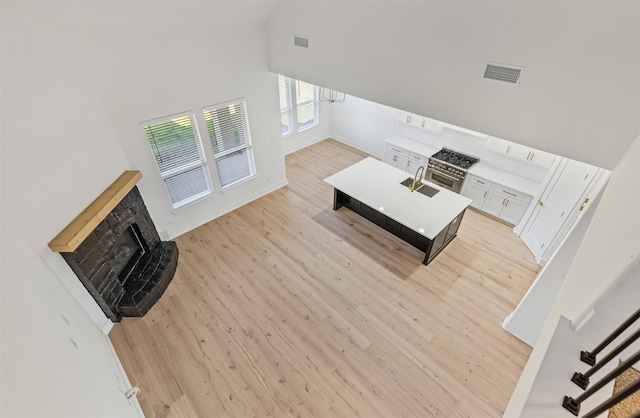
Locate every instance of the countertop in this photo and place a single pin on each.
(505, 179)
(481, 169)
(377, 184)
(412, 145)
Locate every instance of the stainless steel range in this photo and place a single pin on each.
(448, 169)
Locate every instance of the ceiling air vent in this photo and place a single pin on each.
(503, 73)
(300, 41)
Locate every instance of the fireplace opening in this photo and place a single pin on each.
(122, 262)
(126, 252)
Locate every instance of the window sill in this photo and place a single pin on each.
(239, 182)
(193, 201)
(306, 128)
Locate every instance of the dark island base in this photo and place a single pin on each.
(431, 247)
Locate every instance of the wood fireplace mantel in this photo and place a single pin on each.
(73, 234)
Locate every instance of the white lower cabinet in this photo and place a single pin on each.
(415, 161)
(513, 210)
(396, 157)
(476, 191)
(506, 204)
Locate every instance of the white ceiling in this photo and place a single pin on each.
(579, 95)
(83, 17)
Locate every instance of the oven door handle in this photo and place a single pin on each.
(445, 175)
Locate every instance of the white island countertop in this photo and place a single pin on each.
(377, 185)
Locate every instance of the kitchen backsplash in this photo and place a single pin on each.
(473, 146)
(365, 125)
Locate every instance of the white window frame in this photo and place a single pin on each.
(247, 146)
(202, 162)
(292, 105)
(287, 106)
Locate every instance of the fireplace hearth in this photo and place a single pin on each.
(122, 261)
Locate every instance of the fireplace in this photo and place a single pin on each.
(121, 260)
(126, 252)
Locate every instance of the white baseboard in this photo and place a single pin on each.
(508, 326)
(133, 401)
(370, 151)
(226, 209)
(107, 326)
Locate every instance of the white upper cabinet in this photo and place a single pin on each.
(421, 122)
(498, 145)
(520, 152)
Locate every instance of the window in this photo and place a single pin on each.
(286, 115)
(228, 129)
(177, 149)
(298, 105)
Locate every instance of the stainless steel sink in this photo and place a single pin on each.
(420, 187)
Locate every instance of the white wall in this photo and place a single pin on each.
(580, 85)
(59, 149)
(321, 131)
(55, 362)
(59, 152)
(362, 124)
(610, 248)
(365, 125)
(153, 59)
(528, 318)
(612, 240)
(139, 82)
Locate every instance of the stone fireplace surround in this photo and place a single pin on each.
(119, 292)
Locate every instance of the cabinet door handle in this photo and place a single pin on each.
(532, 155)
(506, 203)
(503, 200)
(423, 121)
(510, 194)
(481, 182)
(394, 157)
(408, 119)
(508, 149)
(485, 194)
(583, 204)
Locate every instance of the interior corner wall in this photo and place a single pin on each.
(59, 153)
(610, 247)
(362, 124)
(580, 83)
(55, 362)
(321, 131)
(611, 242)
(138, 82)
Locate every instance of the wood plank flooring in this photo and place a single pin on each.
(286, 308)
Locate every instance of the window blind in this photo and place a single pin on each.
(286, 116)
(177, 149)
(228, 128)
(307, 104)
(298, 105)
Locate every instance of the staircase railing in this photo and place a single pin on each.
(582, 379)
(589, 357)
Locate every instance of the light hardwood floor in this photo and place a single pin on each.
(285, 307)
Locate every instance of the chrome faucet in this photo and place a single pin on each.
(417, 177)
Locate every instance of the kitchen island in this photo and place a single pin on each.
(373, 189)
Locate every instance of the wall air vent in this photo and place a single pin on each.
(300, 41)
(503, 73)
